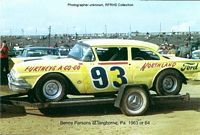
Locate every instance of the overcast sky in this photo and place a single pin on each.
(35, 16)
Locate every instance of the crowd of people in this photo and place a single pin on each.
(180, 51)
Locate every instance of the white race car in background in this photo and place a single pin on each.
(196, 54)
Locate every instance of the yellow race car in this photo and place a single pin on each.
(102, 66)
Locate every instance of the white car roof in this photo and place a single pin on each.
(119, 42)
(196, 51)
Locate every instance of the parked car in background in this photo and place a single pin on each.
(63, 51)
(15, 51)
(196, 54)
(38, 51)
(35, 53)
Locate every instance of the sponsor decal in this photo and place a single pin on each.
(52, 68)
(190, 66)
(149, 65)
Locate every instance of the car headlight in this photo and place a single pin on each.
(19, 80)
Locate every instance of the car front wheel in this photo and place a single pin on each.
(51, 87)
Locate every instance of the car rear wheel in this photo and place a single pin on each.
(135, 101)
(168, 83)
(51, 87)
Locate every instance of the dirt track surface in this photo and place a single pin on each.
(177, 117)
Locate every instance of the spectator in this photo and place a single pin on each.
(56, 45)
(4, 57)
(177, 51)
(185, 51)
(172, 49)
(165, 48)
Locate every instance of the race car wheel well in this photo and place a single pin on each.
(169, 82)
(52, 87)
(184, 80)
(71, 88)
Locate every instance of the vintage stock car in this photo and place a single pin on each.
(102, 66)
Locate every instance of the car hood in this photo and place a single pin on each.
(25, 59)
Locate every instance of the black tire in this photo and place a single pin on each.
(31, 97)
(169, 82)
(51, 87)
(135, 101)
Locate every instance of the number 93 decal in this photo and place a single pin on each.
(100, 77)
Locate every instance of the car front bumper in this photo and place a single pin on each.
(16, 86)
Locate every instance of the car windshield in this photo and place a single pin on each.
(81, 52)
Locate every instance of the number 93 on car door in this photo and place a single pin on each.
(108, 77)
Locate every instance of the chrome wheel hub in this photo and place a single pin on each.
(52, 89)
(170, 84)
(134, 101)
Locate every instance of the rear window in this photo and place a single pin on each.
(143, 54)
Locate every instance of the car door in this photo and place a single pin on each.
(144, 64)
(109, 70)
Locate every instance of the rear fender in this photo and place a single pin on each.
(184, 79)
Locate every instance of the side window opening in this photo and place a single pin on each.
(112, 54)
(143, 54)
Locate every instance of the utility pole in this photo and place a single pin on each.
(130, 31)
(49, 35)
(189, 29)
(22, 30)
(160, 27)
(106, 30)
(189, 36)
(36, 31)
(160, 33)
(85, 30)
